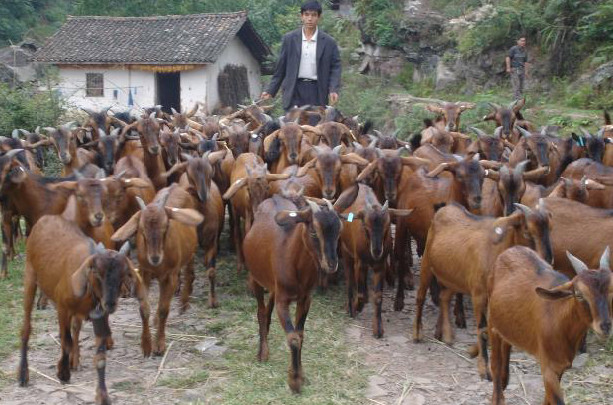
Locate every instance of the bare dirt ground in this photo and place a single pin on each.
(433, 373)
(196, 368)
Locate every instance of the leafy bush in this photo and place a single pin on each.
(25, 107)
(381, 20)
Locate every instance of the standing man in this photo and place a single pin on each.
(517, 67)
(309, 66)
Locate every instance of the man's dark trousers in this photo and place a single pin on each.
(305, 93)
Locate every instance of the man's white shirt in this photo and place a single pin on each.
(308, 58)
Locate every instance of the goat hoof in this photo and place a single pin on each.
(473, 351)
(24, 376)
(460, 323)
(263, 355)
(213, 303)
(63, 374)
(295, 382)
(398, 304)
(109, 343)
(102, 398)
(377, 333)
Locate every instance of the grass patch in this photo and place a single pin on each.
(333, 373)
(184, 382)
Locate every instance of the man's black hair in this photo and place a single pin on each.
(311, 5)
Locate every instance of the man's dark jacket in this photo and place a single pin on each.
(286, 73)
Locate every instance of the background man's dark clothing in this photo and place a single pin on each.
(518, 56)
(286, 72)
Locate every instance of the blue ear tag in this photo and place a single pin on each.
(581, 141)
(350, 217)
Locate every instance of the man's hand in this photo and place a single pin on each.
(333, 98)
(508, 70)
(265, 96)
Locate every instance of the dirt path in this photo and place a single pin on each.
(130, 377)
(433, 373)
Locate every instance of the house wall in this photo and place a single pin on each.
(141, 83)
(236, 53)
(198, 85)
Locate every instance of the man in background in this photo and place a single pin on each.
(309, 66)
(517, 67)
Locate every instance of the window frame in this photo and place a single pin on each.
(91, 81)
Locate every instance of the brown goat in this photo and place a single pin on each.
(540, 311)
(366, 242)
(65, 141)
(198, 181)
(506, 117)
(249, 188)
(148, 131)
(598, 172)
(578, 228)
(284, 250)
(84, 283)
(541, 151)
(326, 169)
(450, 113)
(166, 242)
(465, 269)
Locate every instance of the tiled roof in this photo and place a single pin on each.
(186, 39)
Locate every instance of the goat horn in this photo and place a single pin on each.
(578, 265)
(604, 259)
(15, 134)
(100, 248)
(337, 149)
(527, 211)
(585, 132)
(173, 111)
(378, 133)
(314, 207)
(12, 153)
(386, 205)
(495, 106)
(141, 203)
(523, 131)
(49, 129)
(125, 249)
(477, 131)
(152, 115)
(329, 204)
(600, 132)
(498, 132)
(521, 167)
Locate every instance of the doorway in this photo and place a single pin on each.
(168, 91)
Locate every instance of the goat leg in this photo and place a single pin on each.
(302, 310)
(63, 365)
(348, 265)
(188, 280)
(497, 367)
(75, 354)
(167, 288)
(28, 303)
(458, 311)
(377, 324)
(101, 330)
(294, 341)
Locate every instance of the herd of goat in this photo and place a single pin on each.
(490, 215)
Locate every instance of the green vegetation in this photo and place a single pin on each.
(26, 107)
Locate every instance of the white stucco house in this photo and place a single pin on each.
(175, 61)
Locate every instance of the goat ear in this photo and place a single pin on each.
(276, 176)
(490, 117)
(577, 264)
(353, 158)
(368, 171)
(285, 218)
(135, 182)
(501, 226)
(556, 293)
(400, 213)
(492, 174)
(80, 277)
(346, 199)
(237, 185)
(186, 216)
(127, 230)
(215, 157)
(65, 186)
(435, 108)
(304, 169)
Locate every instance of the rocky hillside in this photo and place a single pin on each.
(461, 44)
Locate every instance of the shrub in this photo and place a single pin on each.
(26, 107)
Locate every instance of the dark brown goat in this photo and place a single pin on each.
(366, 242)
(541, 151)
(598, 172)
(284, 250)
(540, 311)
(506, 117)
(84, 283)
